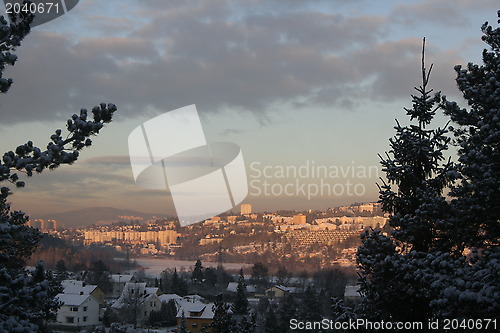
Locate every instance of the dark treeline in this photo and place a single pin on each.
(52, 250)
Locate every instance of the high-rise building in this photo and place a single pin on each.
(246, 209)
(299, 219)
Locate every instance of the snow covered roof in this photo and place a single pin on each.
(193, 298)
(286, 289)
(352, 291)
(66, 283)
(121, 277)
(167, 297)
(152, 290)
(201, 310)
(72, 299)
(124, 300)
(82, 290)
(135, 288)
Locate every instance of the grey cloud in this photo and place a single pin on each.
(215, 55)
(440, 12)
(443, 12)
(394, 68)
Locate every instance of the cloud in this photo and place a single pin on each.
(252, 56)
(442, 13)
(184, 55)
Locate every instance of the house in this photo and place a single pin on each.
(88, 289)
(118, 281)
(198, 315)
(233, 287)
(279, 291)
(78, 310)
(142, 299)
(66, 283)
(194, 298)
(352, 295)
(165, 298)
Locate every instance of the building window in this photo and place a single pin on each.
(194, 325)
(74, 309)
(70, 320)
(85, 308)
(85, 318)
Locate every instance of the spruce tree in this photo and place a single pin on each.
(423, 269)
(223, 321)
(287, 310)
(416, 176)
(476, 223)
(270, 322)
(247, 325)
(474, 290)
(179, 286)
(240, 306)
(183, 327)
(310, 306)
(197, 274)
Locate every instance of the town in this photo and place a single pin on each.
(302, 254)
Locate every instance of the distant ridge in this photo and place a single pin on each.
(95, 215)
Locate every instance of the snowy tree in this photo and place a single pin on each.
(183, 326)
(477, 196)
(240, 306)
(442, 258)
(340, 312)
(474, 291)
(27, 301)
(413, 194)
(247, 325)
(223, 321)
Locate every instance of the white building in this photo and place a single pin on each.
(78, 310)
(136, 294)
(118, 281)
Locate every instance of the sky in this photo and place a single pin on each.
(308, 89)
